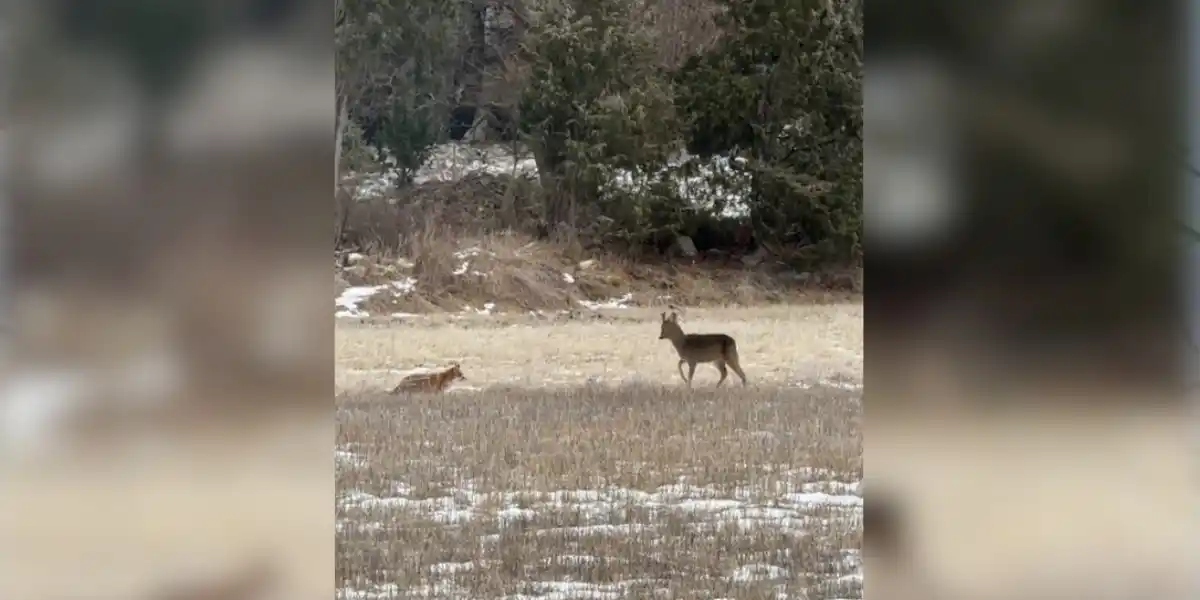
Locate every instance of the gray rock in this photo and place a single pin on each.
(685, 246)
(755, 257)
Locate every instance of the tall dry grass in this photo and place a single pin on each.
(574, 463)
(498, 458)
(779, 346)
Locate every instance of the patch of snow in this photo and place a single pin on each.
(343, 457)
(487, 309)
(789, 512)
(575, 590)
(719, 181)
(843, 385)
(599, 529)
(359, 527)
(450, 568)
(573, 560)
(715, 182)
(568, 278)
(622, 302)
(438, 589)
(404, 286)
(823, 498)
(512, 514)
(454, 160)
(472, 252)
(353, 497)
(758, 572)
(792, 502)
(709, 506)
(372, 186)
(466, 266)
(855, 578)
(388, 591)
(351, 297)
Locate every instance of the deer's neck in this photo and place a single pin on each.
(677, 338)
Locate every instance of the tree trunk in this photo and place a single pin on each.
(339, 129)
(342, 205)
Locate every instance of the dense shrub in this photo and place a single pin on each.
(608, 104)
(783, 92)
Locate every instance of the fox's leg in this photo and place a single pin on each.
(724, 372)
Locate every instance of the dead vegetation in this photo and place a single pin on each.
(599, 492)
(778, 346)
(574, 464)
(473, 243)
(437, 271)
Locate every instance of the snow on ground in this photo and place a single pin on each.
(347, 304)
(455, 160)
(713, 184)
(789, 512)
(708, 183)
(792, 505)
(758, 572)
(622, 302)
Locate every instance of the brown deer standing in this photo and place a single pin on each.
(696, 348)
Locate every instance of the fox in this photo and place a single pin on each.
(701, 347)
(436, 382)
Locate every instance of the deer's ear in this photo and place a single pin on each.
(674, 317)
(664, 316)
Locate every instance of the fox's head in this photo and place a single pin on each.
(455, 372)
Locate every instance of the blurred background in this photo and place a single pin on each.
(164, 412)
(1030, 226)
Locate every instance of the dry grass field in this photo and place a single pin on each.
(573, 463)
